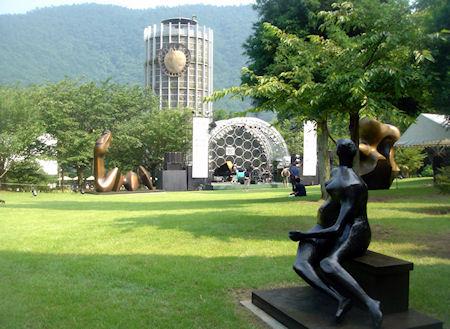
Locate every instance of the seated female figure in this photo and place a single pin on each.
(342, 232)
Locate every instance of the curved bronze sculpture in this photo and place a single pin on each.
(377, 165)
(131, 181)
(145, 177)
(113, 180)
(342, 232)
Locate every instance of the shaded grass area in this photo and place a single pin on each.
(183, 260)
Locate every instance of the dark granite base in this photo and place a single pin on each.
(306, 308)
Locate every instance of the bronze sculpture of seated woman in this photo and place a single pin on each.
(342, 232)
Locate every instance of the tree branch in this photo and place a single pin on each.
(372, 56)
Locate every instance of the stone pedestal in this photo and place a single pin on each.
(382, 277)
(174, 180)
(306, 308)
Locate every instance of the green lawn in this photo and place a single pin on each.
(184, 260)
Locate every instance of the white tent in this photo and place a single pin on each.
(428, 130)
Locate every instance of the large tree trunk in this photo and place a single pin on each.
(4, 168)
(323, 156)
(80, 175)
(62, 180)
(353, 128)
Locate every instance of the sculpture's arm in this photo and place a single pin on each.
(331, 231)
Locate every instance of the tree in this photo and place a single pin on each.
(435, 15)
(28, 171)
(68, 108)
(410, 160)
(144, 139)
(297, 17)
(76, 113)
(292, 133)
(365, 62)
(220, 114)
(20, 127)
(379, 50)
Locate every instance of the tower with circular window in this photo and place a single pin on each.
(179, 64)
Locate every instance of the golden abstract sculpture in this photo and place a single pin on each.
(376, 152)
(145, 177)
(114, 180)
(131, 181)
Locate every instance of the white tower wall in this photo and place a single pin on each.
(179, 64)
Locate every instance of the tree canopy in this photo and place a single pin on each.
(435, 15)
(367, 62)
(297, 17)
(365, 59)
(145, 138)
(74, 113)
(20, 127)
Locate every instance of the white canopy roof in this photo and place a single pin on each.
(65, 178)
(428, 130)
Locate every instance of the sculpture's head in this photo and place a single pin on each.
(346, 151)
(102, 144)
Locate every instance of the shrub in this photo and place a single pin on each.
(26, 174)
(427, 171)
(442, 180)
(410, 160)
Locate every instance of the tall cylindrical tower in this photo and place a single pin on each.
(179, 64)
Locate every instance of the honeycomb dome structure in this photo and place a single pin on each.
(249, 143)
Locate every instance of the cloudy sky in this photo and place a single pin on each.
(22, 6)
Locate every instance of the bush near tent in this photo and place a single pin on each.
(442, 180)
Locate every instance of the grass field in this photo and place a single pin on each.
(184, 260)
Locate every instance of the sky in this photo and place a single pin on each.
(22, 6)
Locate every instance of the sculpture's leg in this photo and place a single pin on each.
(349, 248)
(107, 183)
(131, 181)
(145, 177)
(307, 255)
(118, 182)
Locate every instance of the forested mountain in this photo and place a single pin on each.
(104, 41)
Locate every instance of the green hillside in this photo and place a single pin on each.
(103, 41)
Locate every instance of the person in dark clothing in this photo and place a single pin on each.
(299, 188)
(294, 170)
(248, 176)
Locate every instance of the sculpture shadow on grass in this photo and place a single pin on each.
(87, 202)
(128, 290)
(432, 210)
(223, 225)
(98, 204)
(157, 290)
(231, 224)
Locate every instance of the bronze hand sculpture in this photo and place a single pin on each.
(342, 232)
(113, 180)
